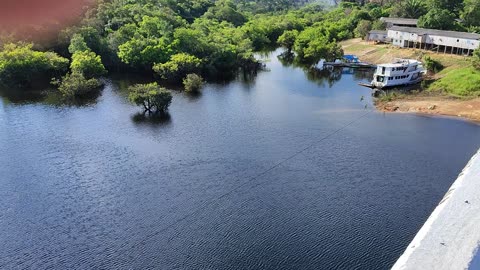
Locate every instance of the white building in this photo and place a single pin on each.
(436, 40)
(391, 22)
(377, 36)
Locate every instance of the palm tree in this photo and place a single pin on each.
(414, 8)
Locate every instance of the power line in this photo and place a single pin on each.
(213, 200)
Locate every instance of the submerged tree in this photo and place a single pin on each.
(20, 64)
(178, 67)
(192, 83)
(287, 39)
(151, 96)
(75, 84)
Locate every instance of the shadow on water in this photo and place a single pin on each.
(161, 119)
(324, 76)
(48, 96)
(193, 95)
(23, 96)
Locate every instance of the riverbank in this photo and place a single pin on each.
(433, 105)
(450, 238)
(430, 101)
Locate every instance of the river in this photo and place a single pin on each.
(285, 170)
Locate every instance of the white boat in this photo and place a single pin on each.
(399, 72)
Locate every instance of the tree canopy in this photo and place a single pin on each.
(214, 38)
(152, 97)
(20, 64)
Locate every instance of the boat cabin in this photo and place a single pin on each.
(400, 72)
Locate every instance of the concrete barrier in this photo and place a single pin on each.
(450, 238)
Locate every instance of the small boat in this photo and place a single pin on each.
(348, 60)
(399, 72)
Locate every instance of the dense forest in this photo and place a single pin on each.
(207, 38)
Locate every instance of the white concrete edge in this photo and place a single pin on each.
(417, 240)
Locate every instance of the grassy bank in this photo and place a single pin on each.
(457, 79)
(459, 82)
(454, 91)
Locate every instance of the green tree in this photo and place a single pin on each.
(379, 25)
(20, 64)
(192, 83)
(152, 97)
(287, 39)
(453, 6)
(437, 19)
(476, 59)
(143, 52)
(193, 41)
(74, 84)
(415, 8)
(471, 13)
(178, 67)
(225, 10)
(363, 28)
(77, 44)
(87, 63)
(409, 9)
(311, 46)
(432, 65)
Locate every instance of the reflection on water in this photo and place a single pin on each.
(155, 119)
(328, 75)
(220, 184)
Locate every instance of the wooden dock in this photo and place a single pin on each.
(350, 65)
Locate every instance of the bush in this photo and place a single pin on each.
(178, 67)
(476, 59)
(363, 28)
(152, 97)
(287, 39)
(192, 83)
(88, 63)
(75, 84)
(431, 64)
(20, 64)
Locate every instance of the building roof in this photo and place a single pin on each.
(423, 31)
(381, 32)
(402, 21)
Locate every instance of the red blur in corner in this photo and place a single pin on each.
(16, 14)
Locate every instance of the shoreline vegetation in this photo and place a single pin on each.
(453, 91)
(196, 41)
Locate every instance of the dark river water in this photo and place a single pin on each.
(287, 170)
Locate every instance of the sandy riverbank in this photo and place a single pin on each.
(434, 105)
(424, 103)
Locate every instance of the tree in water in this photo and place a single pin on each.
(151, 96)
(192, 83)
(75, 84)
(287, 40)
(178, 67)
(20, 64)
